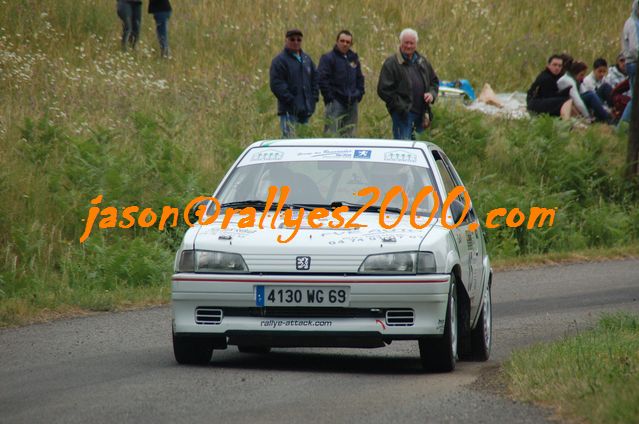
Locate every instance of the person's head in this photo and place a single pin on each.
(621, 62)
(294, 40)
(408, 39)
(578, 70)
(344, 41)
(555, 64)
(600, 68)
(567, 62)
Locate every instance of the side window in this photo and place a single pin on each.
(449, 184)
(451, 179)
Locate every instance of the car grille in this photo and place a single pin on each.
(206, 315)
(400, 317)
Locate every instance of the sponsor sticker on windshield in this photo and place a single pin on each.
(400, 156)
(267, 155)
(311, 154)
(362, 154)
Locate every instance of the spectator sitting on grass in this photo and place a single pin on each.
(572, 80)
(544, 95)
(617, 72)
(594, 81)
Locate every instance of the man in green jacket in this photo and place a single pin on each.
(408, 85)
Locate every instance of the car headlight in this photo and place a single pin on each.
(399, 263)
(209, 261)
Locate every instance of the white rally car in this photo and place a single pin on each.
(361, 270)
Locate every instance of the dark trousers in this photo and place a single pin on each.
(594, 103)
(131, 16)
(162, 30)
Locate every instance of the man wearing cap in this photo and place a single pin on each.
(408, 85)
(293, 80)
(342, 84)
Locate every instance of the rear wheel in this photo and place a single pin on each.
(192, 350)
(262, 350)
(440, 355)
(481, 336)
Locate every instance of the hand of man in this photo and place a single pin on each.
(428, 98)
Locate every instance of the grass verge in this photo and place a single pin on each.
(593, 376)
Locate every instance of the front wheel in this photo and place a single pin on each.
(192, 351)
(481, 335)
(440, 355)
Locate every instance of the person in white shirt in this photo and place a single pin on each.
(572, 79)
(594, 81)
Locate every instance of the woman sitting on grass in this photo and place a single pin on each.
(572, 79)
(544, 96)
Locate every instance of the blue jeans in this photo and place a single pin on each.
(162, 30)
(592, 101)
(404, 125)
(131, 16)
(631, 70)
(288, 123)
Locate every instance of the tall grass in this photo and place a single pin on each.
(79, 118)
(593, 376)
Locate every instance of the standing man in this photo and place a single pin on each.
(630, 47)
(342, 84)
(293, 80)
(161, 11)
(408, 85)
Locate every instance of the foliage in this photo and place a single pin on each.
(594, 375)
(79, 118)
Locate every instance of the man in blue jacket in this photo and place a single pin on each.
(293, 80)
(342, 84)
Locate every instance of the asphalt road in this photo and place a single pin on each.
(120, 367)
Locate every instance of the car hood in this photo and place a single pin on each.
(331, 250)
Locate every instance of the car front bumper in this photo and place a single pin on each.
(365, 319)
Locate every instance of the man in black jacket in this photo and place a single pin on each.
(342, 84)
(293, 80)
(408, 85)
(544, 95)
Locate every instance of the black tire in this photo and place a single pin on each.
(481, 336)
(440, 354)
(192, 351)
(261, 350)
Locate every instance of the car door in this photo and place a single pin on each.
(472, 238)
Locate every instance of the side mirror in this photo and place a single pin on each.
(192, 216)
(456, 209)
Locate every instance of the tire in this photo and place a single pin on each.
(261, 350)
(440, 354)
(192, 351)
(481, 336)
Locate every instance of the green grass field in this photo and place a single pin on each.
(593, 376)
(79, 118)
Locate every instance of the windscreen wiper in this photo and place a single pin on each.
(357, 206)
(258, 204)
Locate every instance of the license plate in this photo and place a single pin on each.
(302, 296)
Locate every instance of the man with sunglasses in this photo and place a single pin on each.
(294, 81)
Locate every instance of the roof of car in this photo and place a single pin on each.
(354, 142)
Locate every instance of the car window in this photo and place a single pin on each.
(324, 181)
(451, 179)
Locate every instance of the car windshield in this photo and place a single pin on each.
(325, 183)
